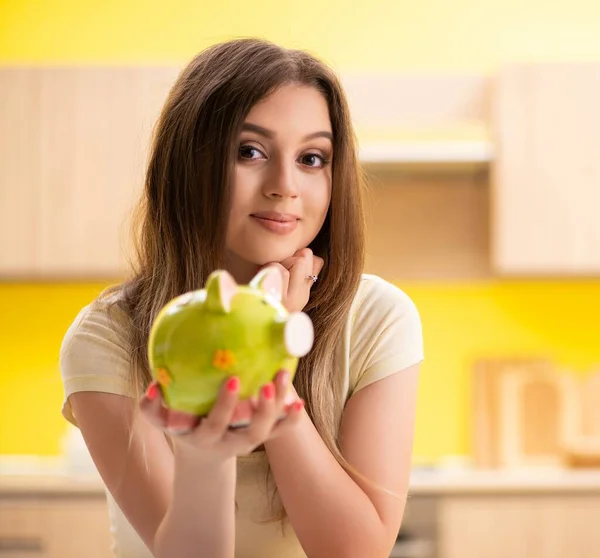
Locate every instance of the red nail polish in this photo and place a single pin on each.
(152, 392)
(268, 391)
(233, 384)
(299, 405)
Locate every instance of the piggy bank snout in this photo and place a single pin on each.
(298, 334)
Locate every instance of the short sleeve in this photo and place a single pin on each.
(94, 355)
(386, 334)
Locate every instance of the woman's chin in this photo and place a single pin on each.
(253, 260)
(263, 257)
(277, 257)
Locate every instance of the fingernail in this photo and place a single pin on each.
(152, 391)
(233, 384)
(268, 391)
(285, 376)
(299, 405)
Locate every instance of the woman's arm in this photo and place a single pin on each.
(132, 457)
(334, 514)
(202, 511)
(177, 505)
(180, 502)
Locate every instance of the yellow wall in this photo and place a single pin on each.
(33, 320)
(473, 34)
(461, 321)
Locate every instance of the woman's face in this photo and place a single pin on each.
(282, 182)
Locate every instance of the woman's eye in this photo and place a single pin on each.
(249, 152)
(313, 160)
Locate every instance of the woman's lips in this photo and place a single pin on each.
(279, 227)
(279, 223)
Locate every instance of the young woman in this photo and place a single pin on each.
(253, 164)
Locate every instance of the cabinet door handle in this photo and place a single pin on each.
(413, 548)
(21, 547)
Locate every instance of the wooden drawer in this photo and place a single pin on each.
(54, 528)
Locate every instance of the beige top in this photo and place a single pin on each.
(382, 336)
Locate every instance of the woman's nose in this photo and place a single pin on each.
(281, 181)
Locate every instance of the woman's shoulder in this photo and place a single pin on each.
(385, 335)
(97, 334)
(376, 294)
(381, 311)
(95, 354)
(103, 317)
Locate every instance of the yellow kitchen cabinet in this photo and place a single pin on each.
(58, 526)
(545, 194)
(519, 526)
(71, 171)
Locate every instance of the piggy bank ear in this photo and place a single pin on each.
(270, 281)
(220, 289)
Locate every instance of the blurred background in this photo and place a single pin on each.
(479, 129)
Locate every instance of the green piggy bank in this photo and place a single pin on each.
(203, 337)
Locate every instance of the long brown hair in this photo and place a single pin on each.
(185, 204)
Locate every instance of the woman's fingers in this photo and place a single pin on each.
(243, 413)
(297, 272)
(300, 269)
(152, 407)
(179, 422)
(285, 276)
(318, 264)
(264, 417)
(282, 384)
(300, 282)
(221, 415)
(284, 392)
(291, 417)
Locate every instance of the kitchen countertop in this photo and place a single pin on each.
(49, 476)
(548, 480)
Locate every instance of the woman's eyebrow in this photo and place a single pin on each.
(270, 134)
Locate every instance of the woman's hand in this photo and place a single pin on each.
(213, 437)
(297, 272)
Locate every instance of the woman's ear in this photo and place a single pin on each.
(270, 281)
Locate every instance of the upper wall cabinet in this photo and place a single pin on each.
(20, 176)
(74, 146)
(546, 174)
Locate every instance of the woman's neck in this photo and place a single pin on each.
(241, 270)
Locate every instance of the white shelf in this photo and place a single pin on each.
(430, 152)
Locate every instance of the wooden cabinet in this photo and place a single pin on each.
(20, 177)
(519, 526)
(73, 148)
(57, 526)
(546, 171)
(532, 212)
(74, 143)
(428, 226)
